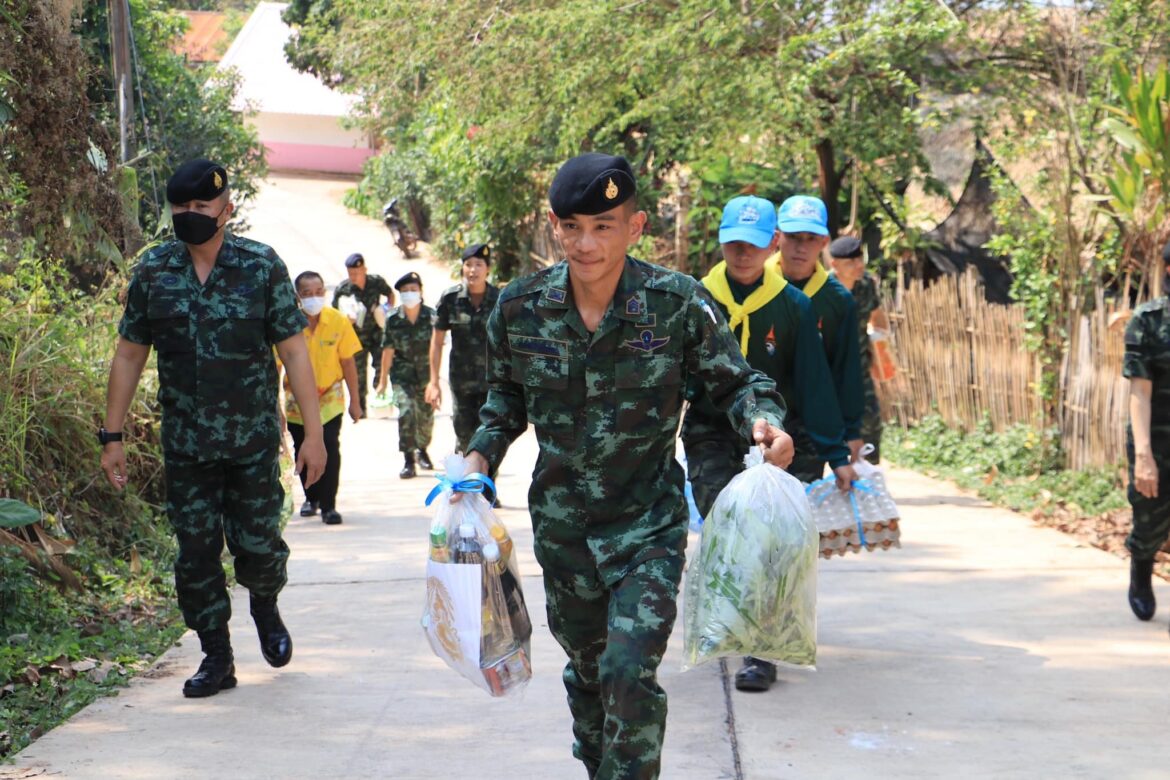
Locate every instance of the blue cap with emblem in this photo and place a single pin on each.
(748, 218)
(804, 214)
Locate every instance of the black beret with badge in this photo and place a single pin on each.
(590, 184)
(481, 251)
(196, 180)
(355, 260)
(845, 248)
(408, 278)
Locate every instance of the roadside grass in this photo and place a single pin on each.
(86, 593)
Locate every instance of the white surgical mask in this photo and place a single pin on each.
(411, 299)
(313, 306)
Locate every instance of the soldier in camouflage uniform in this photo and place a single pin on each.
(463, 310)
(368, 290)
(849, 269)
(1147, 364)
(213, 305)
(596, 352)
(406, 363)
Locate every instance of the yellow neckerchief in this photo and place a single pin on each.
(737, 313)
(815, 282)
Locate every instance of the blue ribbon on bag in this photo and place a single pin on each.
(864, 485)
(472, 483)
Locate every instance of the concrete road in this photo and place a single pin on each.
(984, 648)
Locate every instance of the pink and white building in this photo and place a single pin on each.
(300, 120)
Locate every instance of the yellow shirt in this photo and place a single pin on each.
(333, 340)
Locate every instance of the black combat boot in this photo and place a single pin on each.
(275, 643)
(218, 670)
(424, 460)
(756, 675)
(407, 470)
(1141, 591)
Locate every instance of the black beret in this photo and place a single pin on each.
(409, 278)
(196, 180)
(478, 250)
(355, 260)
(1166, 254)
(590, 184)
(845, 247)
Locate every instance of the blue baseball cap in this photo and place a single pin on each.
(748, 218)
(804, 214)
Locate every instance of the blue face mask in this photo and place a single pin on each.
(411, 299)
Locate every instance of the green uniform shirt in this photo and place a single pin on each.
(837, 319)
(607, 492)
(217, 375)
(370, 296)
(865, 295)
(1147, 356)
(412, 346)
(784, 343)
(468, 325)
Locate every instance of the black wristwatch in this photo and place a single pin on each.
(105, 437)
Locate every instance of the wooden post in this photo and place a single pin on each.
(123, 76)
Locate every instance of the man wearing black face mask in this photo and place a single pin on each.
(213, 305)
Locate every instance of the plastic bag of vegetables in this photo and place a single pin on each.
(752, 587)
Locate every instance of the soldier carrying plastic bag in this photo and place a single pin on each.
(475, 617)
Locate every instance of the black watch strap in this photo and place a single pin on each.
(105, 437)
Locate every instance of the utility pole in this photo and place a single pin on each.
(123, 83)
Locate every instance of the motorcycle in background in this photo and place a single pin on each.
(404, 239)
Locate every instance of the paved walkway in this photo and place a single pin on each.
(986, 647)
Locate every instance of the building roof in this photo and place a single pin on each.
(205, 38)
(270, 85)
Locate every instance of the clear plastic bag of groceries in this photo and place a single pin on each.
(752, 587)
(865, 518)
(475, 617)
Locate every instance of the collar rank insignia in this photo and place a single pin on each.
(555, 295)
(611, 190)
(647, 343)
(633, 307)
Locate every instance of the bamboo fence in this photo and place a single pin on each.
(965, 359)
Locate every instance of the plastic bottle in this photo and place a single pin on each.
(467, 549)
(502, 657)
(884, 366)
(500, 535)
(439, 552)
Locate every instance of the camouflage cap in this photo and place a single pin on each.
(591, 184)
(196, 180)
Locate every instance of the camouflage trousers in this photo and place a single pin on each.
(416, 418)
(363, 359)
(615, 638)
(465, 415)
(871, 421)
(1151, 516)
(712, 463)
(240, 499)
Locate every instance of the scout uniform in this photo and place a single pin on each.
(608, 513)
(409, 373)
(777, 332)
(1147, 356)
(865, 295)
(837, 320)
(370, 332)
(467, 367)
(218, 392)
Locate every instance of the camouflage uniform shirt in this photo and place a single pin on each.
(1147, 356)
(370, 296)
(607, 492)
(217, 374)
(468, 326)
(865, 295)
(411, 343)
